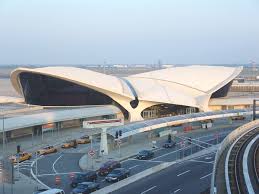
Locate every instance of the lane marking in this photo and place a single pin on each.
(169, 153)
(212, 162)
(53, 165)
(157, 161)
(183, 172)
(206, 176)
(133, 167)
(177, 190)
(34, 176)
(148, 190)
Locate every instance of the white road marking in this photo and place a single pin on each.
(202, 161)
(205, 176)
(147, 160)
(169, 153)
(53, 165)
(148, 190)
(133, 167)
(177, 190)
(207, 158)
(34, 176)
(183, 172)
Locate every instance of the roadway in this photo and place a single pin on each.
(192, 176)
(66, 162)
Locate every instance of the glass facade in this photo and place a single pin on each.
(49, 91)
(222, 92)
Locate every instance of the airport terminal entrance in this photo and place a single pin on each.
(166, 110)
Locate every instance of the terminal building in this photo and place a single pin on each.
(57, 98)
(159, 93)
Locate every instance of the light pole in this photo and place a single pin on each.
(3, 134)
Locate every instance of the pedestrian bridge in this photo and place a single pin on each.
(149, 125)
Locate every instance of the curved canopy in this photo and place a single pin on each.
(188, 85)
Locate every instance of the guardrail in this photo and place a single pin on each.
(234, 182)
(246, 175)
(227, 142)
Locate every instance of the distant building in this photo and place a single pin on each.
(165, 92)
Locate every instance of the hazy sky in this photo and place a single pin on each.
(129, 31)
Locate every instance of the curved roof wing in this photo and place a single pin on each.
(98, 81)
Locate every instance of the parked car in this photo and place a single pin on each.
(108, 166)
(145, 154)
(70, 144)
(83, 140)
(117, 174)
(83, 177)
(85, 188)
(20, 157)
(240, 117)
(47, 150)
(169, 144)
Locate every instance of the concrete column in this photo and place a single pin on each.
(130, 139)
(104, 143)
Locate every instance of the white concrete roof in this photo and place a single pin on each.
(187, 85)
(51, 116)
(79, 76)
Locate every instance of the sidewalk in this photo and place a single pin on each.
(31, 144)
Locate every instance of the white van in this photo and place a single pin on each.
(52, 191)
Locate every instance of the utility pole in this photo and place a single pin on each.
(3, 134)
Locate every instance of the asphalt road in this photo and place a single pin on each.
(192, 176)
(64, 163)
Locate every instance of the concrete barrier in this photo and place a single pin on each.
(133, 178)
(148, 172)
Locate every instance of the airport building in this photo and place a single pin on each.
(159, 93)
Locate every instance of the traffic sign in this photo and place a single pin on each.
(91, 153)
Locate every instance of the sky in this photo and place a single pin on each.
(129, 31)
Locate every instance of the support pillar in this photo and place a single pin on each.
(104, 143)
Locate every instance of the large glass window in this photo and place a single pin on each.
(49, 91)
(222, 92)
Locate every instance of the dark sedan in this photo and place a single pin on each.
(83, 177)
(86, 188)
(169, 144)
(145, 154)
(117, 175)
(107, 167)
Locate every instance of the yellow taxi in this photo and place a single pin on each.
(47, 150)
(20, 157)
(83, 140)
(70, 144)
